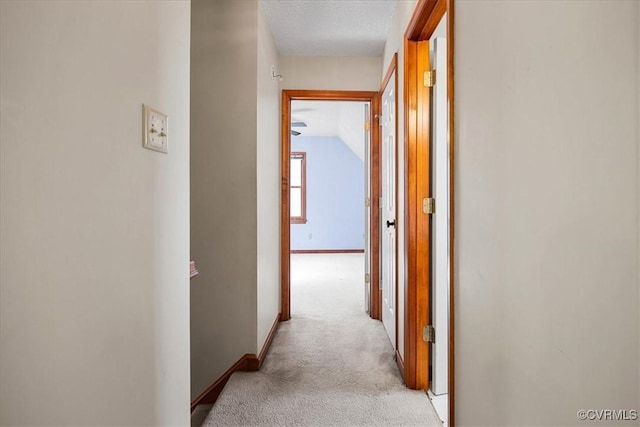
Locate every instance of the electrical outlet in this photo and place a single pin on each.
(156, 130)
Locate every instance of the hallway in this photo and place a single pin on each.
(329, 365)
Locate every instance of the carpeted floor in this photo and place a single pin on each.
(330, 365)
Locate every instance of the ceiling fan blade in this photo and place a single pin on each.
(295, 133)
(298, 125)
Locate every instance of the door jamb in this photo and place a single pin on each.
(285, 220)
(423, 23)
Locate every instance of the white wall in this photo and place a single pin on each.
(351, 119)
(395, 43)
(546, 210)
(223, 186)
(335, 72)
(94, 281)
(268, 182)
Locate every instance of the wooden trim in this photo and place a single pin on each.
(375, 311)
(327, 251)
(392, 67)
(285, 220)
(252, 363)
(267, 343)
(285, 217)
(423, 23)
(210, 395)
(452, 222)
(418, 19)
(422, 230)
(400, 363)
(302, 219)
(411, 136)
(425, 19)
(329, 95)
(247, 363)
(433, 20)
(427, 15)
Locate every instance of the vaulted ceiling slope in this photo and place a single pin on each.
(344, 119)
(329, 27)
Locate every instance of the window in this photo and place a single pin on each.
(298, 188)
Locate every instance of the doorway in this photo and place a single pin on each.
(294, 208)
(329, 140)
(429, 93)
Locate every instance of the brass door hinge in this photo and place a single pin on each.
(429, 78)
(367, 278)
(367, 125)
(429, 334)
(429, 205)
(367, 202)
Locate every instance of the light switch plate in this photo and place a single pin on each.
(155, 130)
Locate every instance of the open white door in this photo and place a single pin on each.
(388, 209)
(440, 252)
(367, 209)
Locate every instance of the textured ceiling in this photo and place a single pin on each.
(329, 27)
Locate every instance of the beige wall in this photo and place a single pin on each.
(395, 43)
(546, 210)
(336, 73)
(235, 186)
(94, 229)
(223, 186)
(268, 182)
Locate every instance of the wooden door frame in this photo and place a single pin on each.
(285, 219)
(425, 19)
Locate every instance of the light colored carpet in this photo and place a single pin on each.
(330, 365)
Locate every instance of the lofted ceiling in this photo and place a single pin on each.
(344, 119)
(321, 117)
(329, 27)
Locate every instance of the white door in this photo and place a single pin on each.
(388, 209)
(440, 252)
